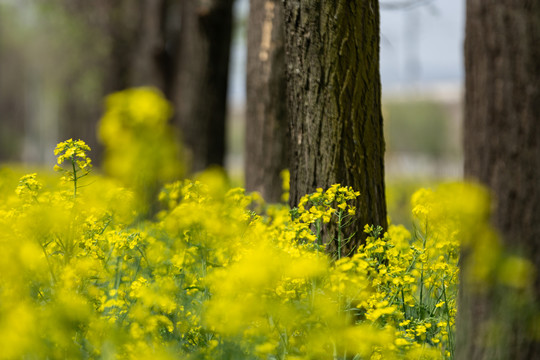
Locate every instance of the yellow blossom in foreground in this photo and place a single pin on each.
(217, 273)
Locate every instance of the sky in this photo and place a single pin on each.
(424, 46)
(421, 48)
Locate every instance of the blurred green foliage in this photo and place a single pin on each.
(419, 127)
(398, 196)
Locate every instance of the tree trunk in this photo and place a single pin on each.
(201, 87)
(334, 102)
(13, 76)
(120, 26)
(151, 64)
(502, 151)
(266, 121)
(127, 36)
(180, 47)
(141, 39)
(145, 38)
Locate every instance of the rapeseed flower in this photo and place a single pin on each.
(217, 273)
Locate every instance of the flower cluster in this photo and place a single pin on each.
(75, 152)
(315, 211)
(219, 274)
(140, 147)
(322, 204)
(29, 187)
(208, 277)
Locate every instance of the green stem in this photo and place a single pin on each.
(403, 304)
(339, 235)
(118, 277)
(318, 227)
(450, 337)
(48, 262)
(74, 178)
(422, 272)
(411, 265)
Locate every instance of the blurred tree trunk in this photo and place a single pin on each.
(136, 43)
(152, 64)
(200, 94)
(180, 47)
(12, 102)
(334, 103)
(79, 115)
(140, 38)
(113, 29)
(502, 151)
(144, 37)
(266, 121)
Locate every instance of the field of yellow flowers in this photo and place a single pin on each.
(91, 270)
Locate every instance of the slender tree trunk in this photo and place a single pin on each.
(266, 121)
(156, 45)
(126, 30)
(78, 115)
(182, 48)
(121, 27)
(13, 112)
(334, 101)
(150, 65)
(201, 87)
(137, 32)
(502, 151)
(141, 38)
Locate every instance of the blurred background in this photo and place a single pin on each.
(60, 58)
(422, 77)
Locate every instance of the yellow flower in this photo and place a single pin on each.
(401, 342)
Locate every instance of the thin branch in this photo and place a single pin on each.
(404, 5)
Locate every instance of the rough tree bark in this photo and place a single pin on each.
(502, 151)
(202, 78)
(334, 102)
(266, 120)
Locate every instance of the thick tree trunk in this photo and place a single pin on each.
(266, 121)
(334, 101)
(502, 151)
(201, 87)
